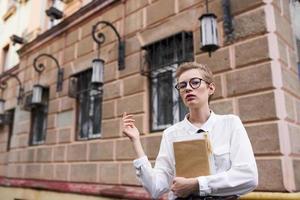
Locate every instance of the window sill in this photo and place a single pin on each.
(9, 12)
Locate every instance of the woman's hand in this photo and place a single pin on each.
(129, 129)
(182, 187)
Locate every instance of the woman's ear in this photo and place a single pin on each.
(212, 88)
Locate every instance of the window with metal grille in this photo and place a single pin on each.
(89, 106)
(39, 115)
(10, 118)
(162, 59)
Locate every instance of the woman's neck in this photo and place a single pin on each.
(199, 116)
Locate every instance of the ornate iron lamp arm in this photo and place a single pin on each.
(100, 39)
(3, 85)
(41, 67)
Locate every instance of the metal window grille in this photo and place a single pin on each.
(161, 61)
(89, 106)
(39, 115)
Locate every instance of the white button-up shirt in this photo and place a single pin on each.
(233, 166)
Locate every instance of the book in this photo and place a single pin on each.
(191, 158)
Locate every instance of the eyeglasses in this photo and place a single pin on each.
(194, 83)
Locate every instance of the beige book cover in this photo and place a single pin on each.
(192, 158)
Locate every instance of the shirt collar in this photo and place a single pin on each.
(207, 126)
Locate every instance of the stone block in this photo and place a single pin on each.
(270, 175)
(64, 135)
(112, 90)
(69, 54)
(77, 152)
(296, 166)
(243, 81)
(159, 10)
(65, 119)
(57, 45)
(252, 51)
(125, 150)
(132, 64)
(264, 138)
(151, 144)
(67, 103)
(238, 6)
(83, 172)
(28, 155)
(72, 37)
(290, 82)
(108, 109)
(183, 4)
(298, 111)
(132, 5)
(219, 87)
(59, 153)
(111, 71)
(290, 107)
(134, 84)
(218, 62)
(114, 13)
(131, 104)
(109, 173)
(44, 154)
(132, 45)
(33, 171)
(101, 151)
(250, 24)
(282, 51)
(61, 172)
(283, 28)
(128, 176)
(294, 132)
(48, 171)
(222, 107)
(111, 128)
(51, 136)
(85, 46)
(51, 121)
(133, 22)
(53, 106)
(257, 107)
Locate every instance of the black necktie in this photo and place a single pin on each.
(200, 131)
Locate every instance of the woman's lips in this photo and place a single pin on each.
(190, 97)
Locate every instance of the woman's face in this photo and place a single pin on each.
(196, 92)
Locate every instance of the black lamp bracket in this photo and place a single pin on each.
(99, 38)
(3, 85)
(41, 67)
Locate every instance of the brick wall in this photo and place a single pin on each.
(256, 78)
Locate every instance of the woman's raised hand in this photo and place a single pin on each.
(129, 129)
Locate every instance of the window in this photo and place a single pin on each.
(10, 116)
(5, 57)
(89, 106)
(163, 57)
(39, 115)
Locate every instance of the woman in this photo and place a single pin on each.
(234, 170)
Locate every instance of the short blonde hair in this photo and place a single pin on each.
(206, 72)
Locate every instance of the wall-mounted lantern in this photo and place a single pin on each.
(209, 31)
(37, 91)
(4, 118)
(98, 63)
(54, 13)
(17, 39)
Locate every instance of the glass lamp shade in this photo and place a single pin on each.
(37, 94)
(98, 68)
(2, 104)
(209, 32)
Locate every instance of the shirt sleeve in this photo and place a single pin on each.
(242, 177)
(157, 180)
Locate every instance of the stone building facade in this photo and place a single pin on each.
(256, 74)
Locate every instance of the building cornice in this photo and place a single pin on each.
(72, 20)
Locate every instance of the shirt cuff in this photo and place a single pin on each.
(138, 163)
(204, 190)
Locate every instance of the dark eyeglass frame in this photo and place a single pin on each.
(182, 85)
